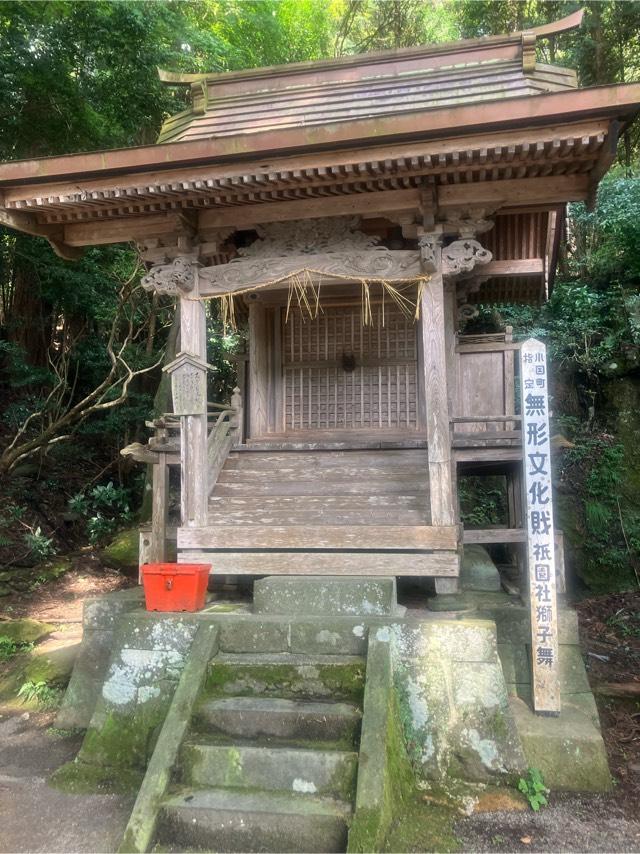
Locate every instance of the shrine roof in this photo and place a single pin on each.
(363, 87)
(476, 125)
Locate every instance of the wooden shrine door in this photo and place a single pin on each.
(339, 374)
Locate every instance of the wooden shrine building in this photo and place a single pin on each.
(350, 212)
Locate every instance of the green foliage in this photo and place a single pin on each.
(39, 544)
(104, 508)
(625, 623)
(533, 788)
(10, 647)
(609, 527)
(40, 693)
(483, 501)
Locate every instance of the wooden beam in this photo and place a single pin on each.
(320, 537)
(325, 563)
(362, 203)
(514, 267)
(494, 535)
(28, 224)
(515, 192)
(126, 229)
(159, 509)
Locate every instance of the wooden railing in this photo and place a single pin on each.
(223, 435)
(163, 450)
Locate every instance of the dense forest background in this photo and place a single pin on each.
(78, 76)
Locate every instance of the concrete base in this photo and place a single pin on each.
(325, 595)
(568, 749)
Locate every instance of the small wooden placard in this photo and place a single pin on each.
(536, 441)
(188, 385)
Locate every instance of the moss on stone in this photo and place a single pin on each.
(53, 667)
(124, 740)
(345, 681)
(372, 825)
(122, 551)
(422, 827)
(25, 630)
(79, 777)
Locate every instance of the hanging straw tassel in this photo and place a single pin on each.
(228, 311)
(405, 305)
(298, 289)
(367, 317)
(422, 284)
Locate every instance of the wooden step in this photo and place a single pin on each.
(323, 459)
(442, 563)
(396, 486)
(338, 473)
(294, 516)
(337, 503)
(320, 537)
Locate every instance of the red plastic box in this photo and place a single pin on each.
(175, 586)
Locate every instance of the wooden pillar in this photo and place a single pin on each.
(258, 370)
(193, 435)
(432, 328)
(159, 505)
(450, 330)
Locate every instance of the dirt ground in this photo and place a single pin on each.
(62, 600)
(35, 817)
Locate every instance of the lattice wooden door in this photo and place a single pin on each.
(340, 374)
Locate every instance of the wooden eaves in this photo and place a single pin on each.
(500, 153)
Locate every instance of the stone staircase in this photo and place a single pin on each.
(270, 758)
(360, 511)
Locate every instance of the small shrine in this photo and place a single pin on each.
(350, 214)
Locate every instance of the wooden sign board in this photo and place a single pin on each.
(188, 385)
(539, 525)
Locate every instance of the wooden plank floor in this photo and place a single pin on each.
(356, 511)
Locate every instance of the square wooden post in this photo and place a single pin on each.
(258, 370)
(432, 330)
(436, 367)
(193, 433)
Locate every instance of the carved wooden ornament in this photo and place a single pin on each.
(331, 247)
(463, 256)
(173, 279)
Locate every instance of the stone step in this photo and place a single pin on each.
(317, 772)
(274, 717)
(226, 820)
(336, 677)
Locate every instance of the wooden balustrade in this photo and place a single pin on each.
(163, 449)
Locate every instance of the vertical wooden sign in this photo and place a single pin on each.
(539, 523)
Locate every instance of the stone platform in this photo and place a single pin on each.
(460, 680)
